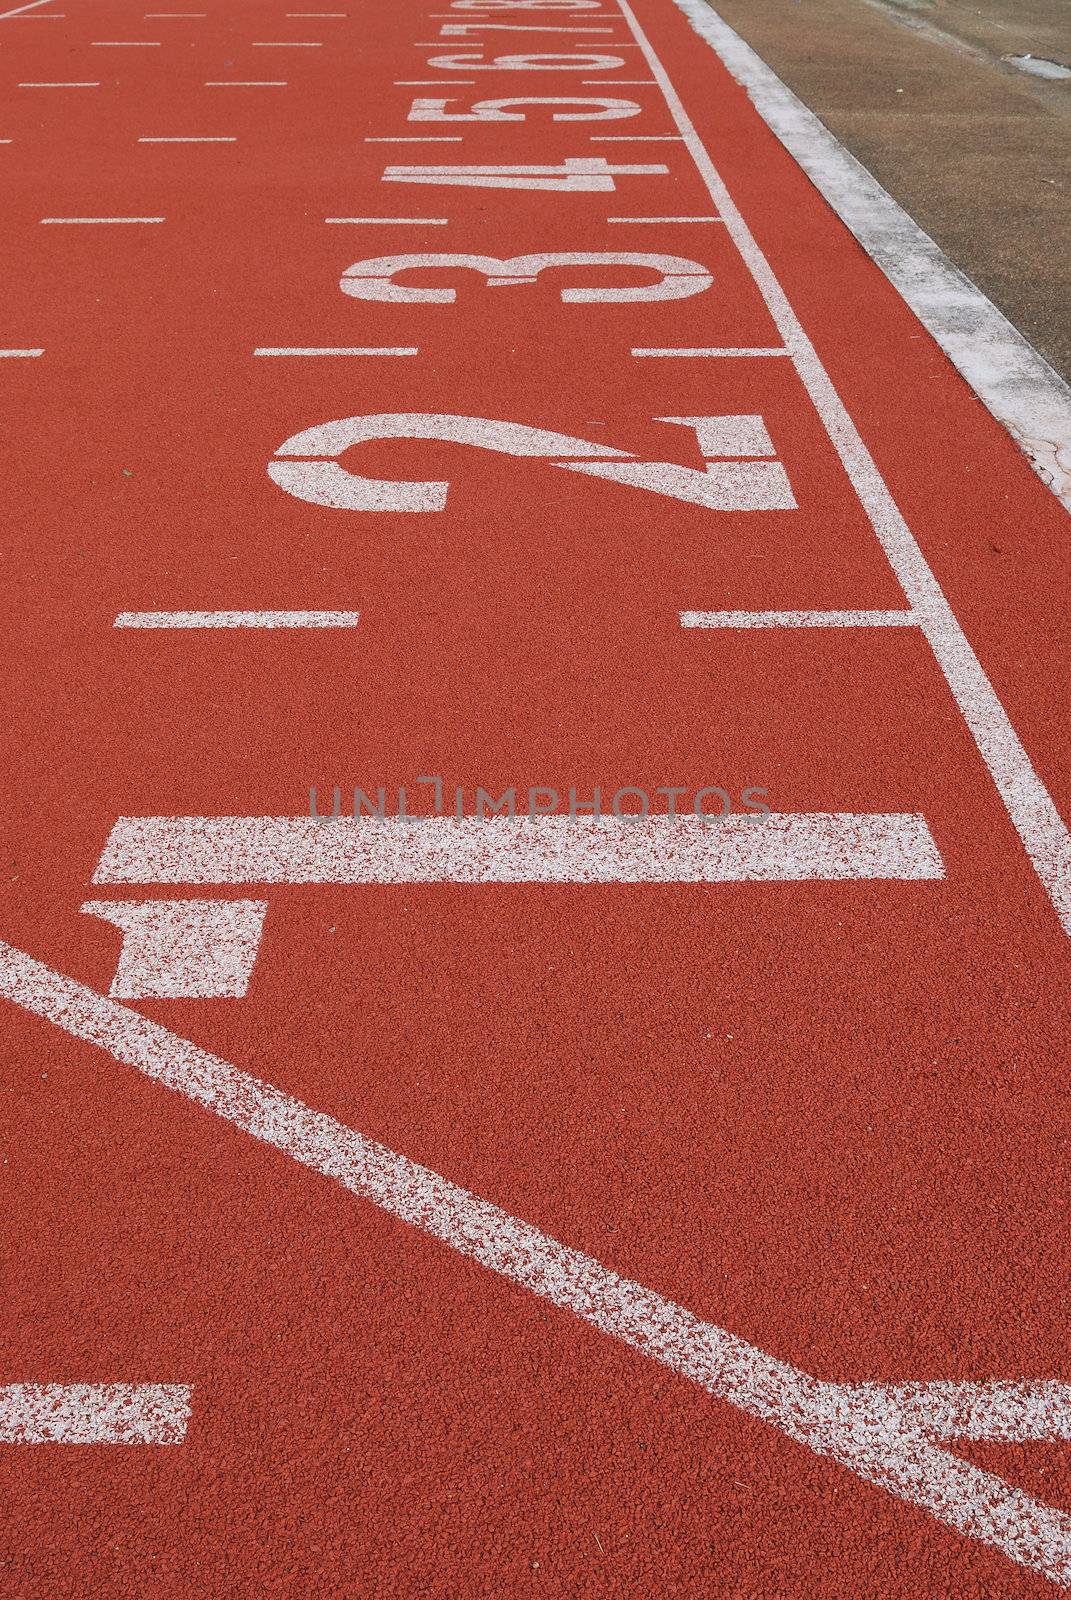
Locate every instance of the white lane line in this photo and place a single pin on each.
(94, 1413)
(887, 1434)
(337, 350)
(712, 350)
(246, 83)
(17, 12)
(1009, 376)
(433, 83)
(287, 44)
(665, 219)
(431, 222)
(186, 138)
(798, 619)
(149, 15)
(237, 619)
(548, 849)
(622, 83)
(85, 220)
(59, 85)
(19, 354)
(308, 14)
(125, 44)
(636, 138)
(439, 138)
(1043, 833)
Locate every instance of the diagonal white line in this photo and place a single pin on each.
(870, 1438)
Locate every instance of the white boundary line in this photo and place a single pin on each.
(798, 619)
(1006, 373)
(94, 1413)
(1038, 823)
(889, 1435)
(20, 9)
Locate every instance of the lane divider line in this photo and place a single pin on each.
(727, 350)
(339, 350)
(1041, 829)
(665, 219)
(798, 619)
(430, 222)
(890, 1435)
(94, 1413)
(45, 221)
(246, 83)
(237, 619)
(59, 85)
(19, 354)
(18, 10)
(187, 138)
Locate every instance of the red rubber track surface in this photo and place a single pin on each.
(830, 1117)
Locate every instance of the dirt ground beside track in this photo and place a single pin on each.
(977, 150)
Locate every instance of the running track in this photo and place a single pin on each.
(478, 1206)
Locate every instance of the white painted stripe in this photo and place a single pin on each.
(433, 83)
(240, 83)
(1009, 376)
(550, 849)
(1038, 823)
(183, 949)
(187, 138)
(94, 1413)
(17, 12)
(339, 350)
(726, 351)
(125, 44)
(889, 1435)
(636, 138)
(8, 354)
(80, 220)
(237, 619)
(798, 619)
(430, 222)
(59, 85)
(287, 44)
(620, 83)
(665, 219)
(439, 138)
(175, 14)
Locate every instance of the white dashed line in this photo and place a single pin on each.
(433, 83)
(712, 350)
(241, 83)
(237, 619)
(59, 85)
(19, 354)
(664, 219)
(444, 138)
(798, 619)
(97, 220)
(189, 138)
(338, 350)
(94, 1413)
(126, 44)
(430, 222)
(287, 44)
(17, 12)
